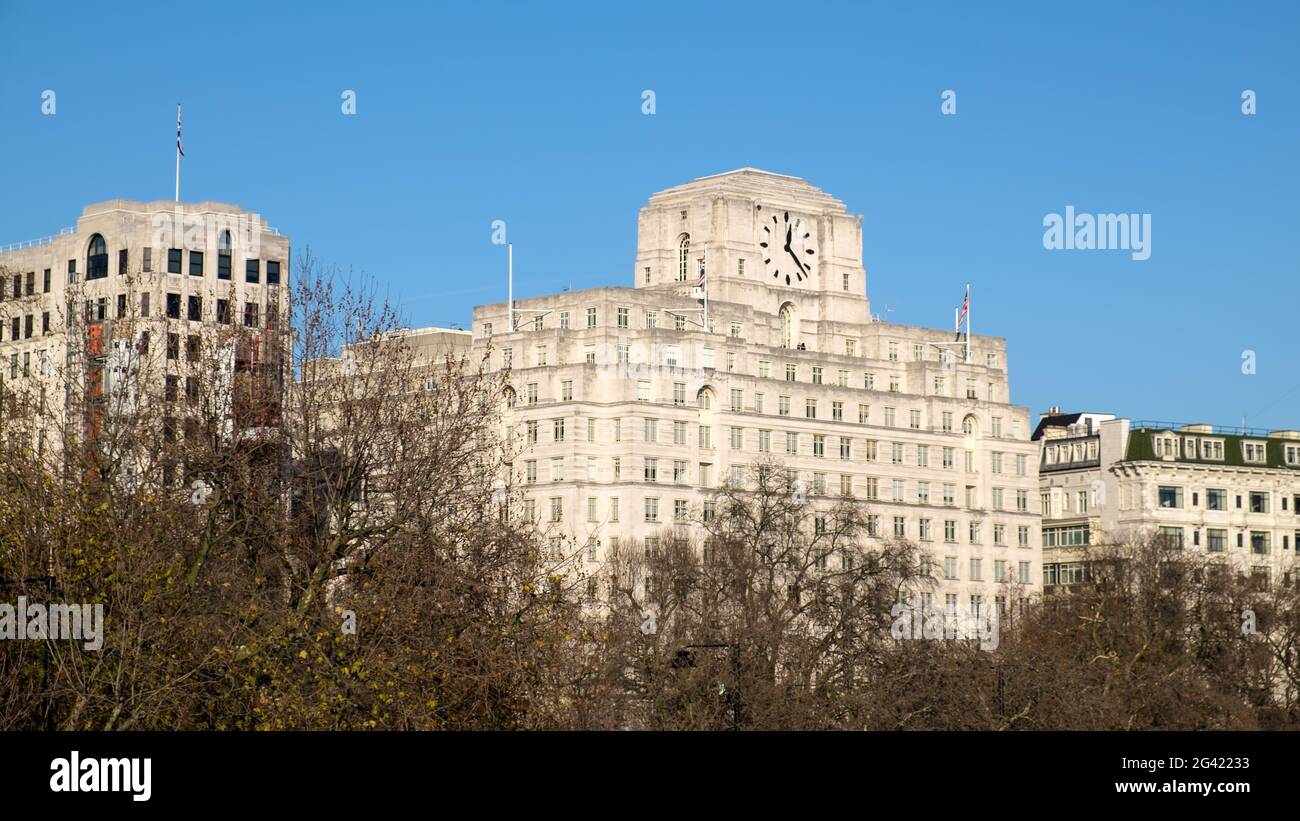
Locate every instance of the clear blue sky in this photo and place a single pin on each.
(469, 112)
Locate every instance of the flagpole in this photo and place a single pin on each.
(706, 289)
(510, 286)
(178, 152)
(967, 323)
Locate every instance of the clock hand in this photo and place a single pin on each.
(796, 259)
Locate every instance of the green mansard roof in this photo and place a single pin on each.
(1141, 447)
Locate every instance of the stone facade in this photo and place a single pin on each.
(1222, 492)
(78, 304)
(629, 409)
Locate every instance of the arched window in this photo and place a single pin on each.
(96, 258)
(224, 249)
(683, 253)
(970, 425)
(787, 325)
(510, 397)
(704, 399)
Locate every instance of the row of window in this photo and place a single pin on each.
(682, 322)
(672, 358)
(97, 263)
(1202, 448)
(870, 449)
(1255, 501)
(22, 365)
(252, 267)
(24, 285)
(925, 530)
(1216, 539)
(1001, 499)
(704, 401)
(1057, 573)
(24, 327)
(1066, 453)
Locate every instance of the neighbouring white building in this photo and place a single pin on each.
(121, 300)
(629, 408)
(1226, 492)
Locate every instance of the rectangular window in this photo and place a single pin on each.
(253, 271)
(272, 272)
(196, 263)
(173, 260)
(1216, 540)
(1216, 499)
(1171, 536)
(194, 309)
(1170, 497)
(1260, 542)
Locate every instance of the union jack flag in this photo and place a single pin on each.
(179, 148)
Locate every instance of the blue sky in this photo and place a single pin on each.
(531, 113)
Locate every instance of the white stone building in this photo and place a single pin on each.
(629, 408)
(77, 309)
(1223, 492)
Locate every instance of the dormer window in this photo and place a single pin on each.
(1292, 454)
(1166, 446)
(1254, 452)
(1212, 449)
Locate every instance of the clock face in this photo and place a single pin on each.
(787, 245)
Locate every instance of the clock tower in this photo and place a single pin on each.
(769, 240)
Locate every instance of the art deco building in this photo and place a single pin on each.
(629, 408)
(1233, 493)
(122, 300)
